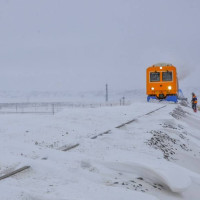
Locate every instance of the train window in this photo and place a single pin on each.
(154, 76)
(167, 76)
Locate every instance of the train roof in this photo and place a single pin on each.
(158, 65)
(162, 64)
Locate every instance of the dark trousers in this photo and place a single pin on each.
(194, 106)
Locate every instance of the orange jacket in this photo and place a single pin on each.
(194, 99)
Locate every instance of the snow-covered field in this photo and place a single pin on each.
(156, 156)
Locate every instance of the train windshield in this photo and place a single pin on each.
(167, 76)
(154, 76)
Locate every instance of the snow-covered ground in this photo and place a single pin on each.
(155, 157)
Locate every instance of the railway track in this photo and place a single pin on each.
(69, 147)
(128, 122)
(14, 172)
(72, 146)
(133, 120)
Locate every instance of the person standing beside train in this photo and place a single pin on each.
(194, 102)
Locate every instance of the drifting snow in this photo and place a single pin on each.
(157, 156)
(169, 175)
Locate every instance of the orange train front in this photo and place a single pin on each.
(162, 82)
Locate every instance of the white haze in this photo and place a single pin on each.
(59, 45)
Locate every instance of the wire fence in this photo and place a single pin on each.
(48, 107)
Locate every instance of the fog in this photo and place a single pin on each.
(81, 45)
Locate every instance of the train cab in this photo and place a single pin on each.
(162, 82)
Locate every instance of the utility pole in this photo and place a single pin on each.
(123, 100)
(106, 92)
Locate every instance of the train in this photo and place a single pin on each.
(162, 82)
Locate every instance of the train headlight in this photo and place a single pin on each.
(169, 87)
(152, 88)
(160, 67)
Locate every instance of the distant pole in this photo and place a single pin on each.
(123, 98)
(106, 92)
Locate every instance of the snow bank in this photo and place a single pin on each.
(168, 174)
(118, 165)
(112, 193)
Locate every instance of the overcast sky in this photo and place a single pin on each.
(84, 44)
